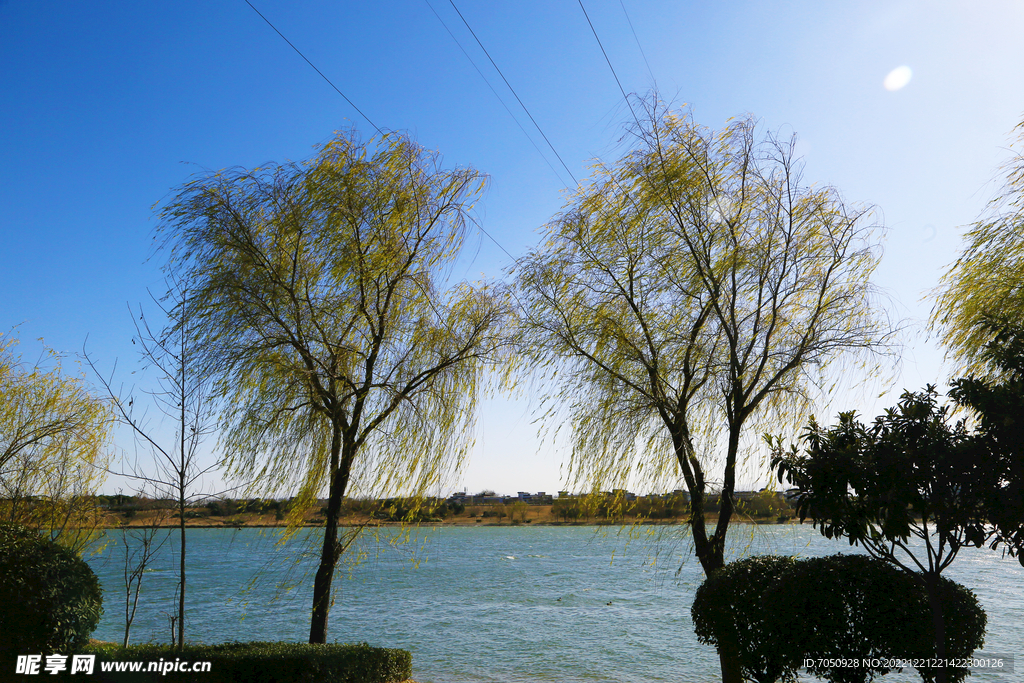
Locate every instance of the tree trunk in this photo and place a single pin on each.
(711, 551)
(329, 554)
(932, 582)
(325, 572)
(711, 555)
(729, 660)
(713, 558)
(181, 576)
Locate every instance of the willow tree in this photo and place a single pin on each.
(53, 435)
(317, 294)
(987, 279)
(690, 290)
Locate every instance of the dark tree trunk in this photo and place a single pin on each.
(181, 575)
(933, 585)
(329, 554)
(729, 660)
(323, 579)
(325, 572)
(711, 551)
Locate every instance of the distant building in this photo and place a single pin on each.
(539, 498)
(623, 494)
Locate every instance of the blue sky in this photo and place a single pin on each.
(107, 106)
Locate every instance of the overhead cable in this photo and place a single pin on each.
(329, 82)
(379, 131)
(609, 61)
(520, 101)
(643, 54)
(514, 117)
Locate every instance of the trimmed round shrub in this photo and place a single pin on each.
(965, 623)
(50, 600)
(776, 612)
(729, 608)
(855, 607)
(859, 607)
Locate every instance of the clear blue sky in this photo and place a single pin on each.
(107, 106)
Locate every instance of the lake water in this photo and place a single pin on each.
(503, 604)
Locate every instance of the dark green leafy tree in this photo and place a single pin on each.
(911, 488)
(319, 296)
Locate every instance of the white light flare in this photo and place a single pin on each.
(898, 78)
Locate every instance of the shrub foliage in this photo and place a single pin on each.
(778, 612)
(729, 607)
(50, 600)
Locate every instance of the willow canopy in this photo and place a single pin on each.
(54, 434)
(318, 295)
(987, 279)
(691, 287)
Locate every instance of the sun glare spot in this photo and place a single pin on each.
(897, 78)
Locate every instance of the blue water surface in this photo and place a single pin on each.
(504, 604)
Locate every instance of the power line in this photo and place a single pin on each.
(643, 54)
(537, 125)
(625, 97)
(514, 118)
(379, 131)
(329, 82)
(609, 61)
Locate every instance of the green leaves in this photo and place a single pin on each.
(318, 294)
(998, 406)
(782, 613)
(911, 470)
(318, 291)
(50, 600)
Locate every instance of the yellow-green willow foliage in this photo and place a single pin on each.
(987, 280)
(53, 435)
(318, 294)
(692, 290)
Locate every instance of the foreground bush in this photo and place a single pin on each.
(778, 611)
(261, 663)
(50, 600)
(730, 607)
(867, 608)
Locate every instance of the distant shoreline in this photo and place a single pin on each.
(597, 510)
(171, 523)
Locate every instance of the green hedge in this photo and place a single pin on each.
(261, 663)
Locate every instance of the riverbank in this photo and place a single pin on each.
(534, 515)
